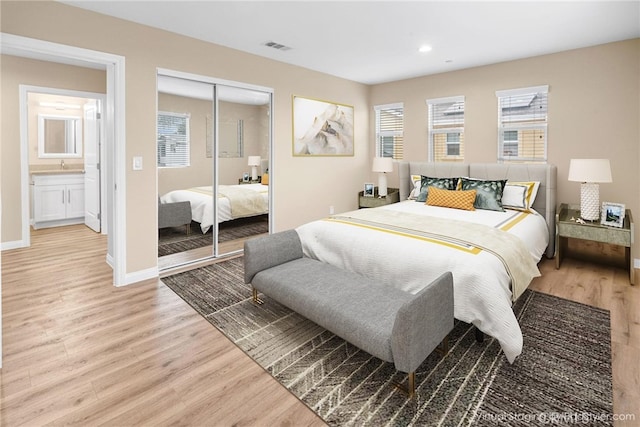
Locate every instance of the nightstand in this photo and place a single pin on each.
(567, 227)
(240, 181)
(393, 196)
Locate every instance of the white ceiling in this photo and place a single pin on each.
(377, 41)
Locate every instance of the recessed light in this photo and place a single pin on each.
(424, 48)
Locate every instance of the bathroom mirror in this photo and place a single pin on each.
(59, 136)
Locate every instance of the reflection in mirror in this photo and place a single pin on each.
(247, 198)
(59, 136)
(185, 194)
(231, 136)
(227, 126)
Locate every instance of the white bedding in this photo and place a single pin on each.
(482, 293)
(201, 199)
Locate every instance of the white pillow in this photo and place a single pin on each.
(417, 182)
(520, 195)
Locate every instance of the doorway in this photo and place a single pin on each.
(214, 150)
(114, 147)
(64, 134)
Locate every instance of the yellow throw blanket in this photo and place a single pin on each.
(468, 236)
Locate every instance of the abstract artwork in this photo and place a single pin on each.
(322, 128)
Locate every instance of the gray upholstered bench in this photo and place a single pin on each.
(174, 214)
(388, 323)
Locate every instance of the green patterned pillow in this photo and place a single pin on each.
(443, 183)
(488, 193)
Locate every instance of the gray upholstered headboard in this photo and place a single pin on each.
(545, 202)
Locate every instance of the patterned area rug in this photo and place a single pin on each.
(563, 375)
(175, 239)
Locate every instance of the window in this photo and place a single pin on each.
(389, 130)
(522, 124)
(446, 129)
(453, 144)
(173, 139)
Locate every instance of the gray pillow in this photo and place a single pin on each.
(488, 193)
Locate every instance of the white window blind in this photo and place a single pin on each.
(173, 139)
(446, 129)
(390, 130)
(522, 124)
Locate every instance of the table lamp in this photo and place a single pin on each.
(590, 172)
(254, 162)
(382, 165)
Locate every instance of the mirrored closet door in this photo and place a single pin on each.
(213, 153)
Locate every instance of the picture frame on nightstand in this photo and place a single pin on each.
(368, 189)
(612, 214)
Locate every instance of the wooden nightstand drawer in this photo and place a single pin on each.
(603, 234)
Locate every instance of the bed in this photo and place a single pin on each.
(492, 254)
(234, 201)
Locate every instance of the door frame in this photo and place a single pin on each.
(24, 146)
(114, 131)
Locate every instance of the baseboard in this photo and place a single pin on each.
(139, 276)
(110, 262)
(17, 244)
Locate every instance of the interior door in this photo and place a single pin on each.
(92, 165)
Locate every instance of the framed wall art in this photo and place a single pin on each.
(322, 128)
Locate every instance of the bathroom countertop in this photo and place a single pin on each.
(56, 171)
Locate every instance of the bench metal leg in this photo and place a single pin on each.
(443, 348)
(410, 388)
(255, 298)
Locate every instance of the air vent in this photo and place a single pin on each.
(278, 46)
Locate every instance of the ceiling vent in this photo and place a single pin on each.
(277, 46)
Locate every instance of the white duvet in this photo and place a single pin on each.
(482, 294)
(201, 199)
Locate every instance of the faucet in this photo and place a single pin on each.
(62, 164)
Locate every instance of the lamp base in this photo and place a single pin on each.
(589, 201)
(254, 173)
(382, 185)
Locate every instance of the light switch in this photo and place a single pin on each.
(137, 163)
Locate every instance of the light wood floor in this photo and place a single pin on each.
(79, 351)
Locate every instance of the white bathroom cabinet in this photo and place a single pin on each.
(58, 199)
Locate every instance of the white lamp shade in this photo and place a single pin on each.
(590, 170)
(254, 161)
(382, 164)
